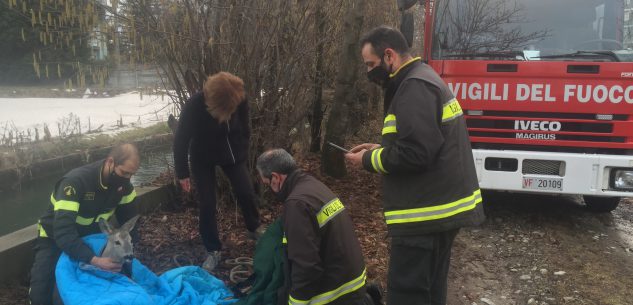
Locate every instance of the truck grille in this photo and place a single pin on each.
(543, 128)
(543, 167)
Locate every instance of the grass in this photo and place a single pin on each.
(27, 154)
(102, 140)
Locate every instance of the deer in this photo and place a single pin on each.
(119, 246)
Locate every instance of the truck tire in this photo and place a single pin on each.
(601, 204)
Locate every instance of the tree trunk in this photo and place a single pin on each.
(332, 160)
(317, 105)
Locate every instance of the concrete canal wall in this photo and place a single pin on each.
(11, 177)
(16, 249)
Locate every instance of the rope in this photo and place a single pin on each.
(242, 270)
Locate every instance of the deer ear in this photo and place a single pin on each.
(105, 226)
(128, 225)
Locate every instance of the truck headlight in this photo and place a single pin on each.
(623, 179)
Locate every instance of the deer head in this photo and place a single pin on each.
(119, 246)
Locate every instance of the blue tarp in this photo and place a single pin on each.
(81, 284)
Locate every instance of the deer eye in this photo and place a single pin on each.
(118, 243)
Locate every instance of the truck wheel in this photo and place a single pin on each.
(601, 204)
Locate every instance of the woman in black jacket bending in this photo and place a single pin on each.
(214, 130)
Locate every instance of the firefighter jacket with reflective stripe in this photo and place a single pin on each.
(325, 262)
(80, 199)
(429, 179)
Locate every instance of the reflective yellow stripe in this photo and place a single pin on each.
(65, 205)
(389, 125)
(128, 198)
(293, 301)
(332, 295)
(105, 216)
(84, 221)
(88, 221)
(41, 230)
(100, 179)
(329, 210)
(451, 110)
(376, 161)
(404, 65)
(434, 212)
(73, 206)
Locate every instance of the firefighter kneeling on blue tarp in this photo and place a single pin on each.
(79, 200)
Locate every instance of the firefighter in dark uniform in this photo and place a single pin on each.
(325, 264)
(430, 186)
(79, 200)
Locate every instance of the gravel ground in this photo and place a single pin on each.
(544, 250)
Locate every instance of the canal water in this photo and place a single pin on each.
(23, 207)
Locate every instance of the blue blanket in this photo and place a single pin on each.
(81, 284)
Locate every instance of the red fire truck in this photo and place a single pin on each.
(546, 87)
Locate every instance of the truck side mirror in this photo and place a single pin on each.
(407, 27)
(404, 5)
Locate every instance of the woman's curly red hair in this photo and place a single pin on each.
(223, 93)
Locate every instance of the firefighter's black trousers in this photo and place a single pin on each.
(418, 269)
(43, 272)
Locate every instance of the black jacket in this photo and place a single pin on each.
(77, 203)
(323, 251)
(206, 140)
(429, 178)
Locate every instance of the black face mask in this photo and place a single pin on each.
(115, 181)
(379, 75)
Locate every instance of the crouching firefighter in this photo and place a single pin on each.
(325, 264)
(79, 200)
